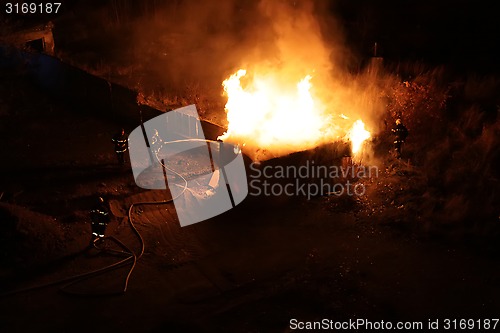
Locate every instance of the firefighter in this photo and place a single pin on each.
(346, 152)
(156, 142)
(99, 217)
(120, 141)
(400, 133)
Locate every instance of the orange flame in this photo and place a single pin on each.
(358, 135)
(267, 115)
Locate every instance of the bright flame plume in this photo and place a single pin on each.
(267, 114)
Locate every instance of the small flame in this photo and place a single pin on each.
(358, 135)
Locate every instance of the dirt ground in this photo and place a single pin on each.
(251, 269)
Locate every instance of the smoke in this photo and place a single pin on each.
(189, 47)
(195, 41)
(304, 38)
(206, 41)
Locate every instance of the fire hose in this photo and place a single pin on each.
(131, 257)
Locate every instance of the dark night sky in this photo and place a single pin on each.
(461, 33)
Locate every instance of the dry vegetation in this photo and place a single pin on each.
(451, 182)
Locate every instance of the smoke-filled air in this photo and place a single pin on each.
(281, 68)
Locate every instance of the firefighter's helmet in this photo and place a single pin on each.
(398, 121)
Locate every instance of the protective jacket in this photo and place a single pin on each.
(400, 133)
(120, 141)
(100, 218)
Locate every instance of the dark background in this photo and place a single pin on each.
(462, 34)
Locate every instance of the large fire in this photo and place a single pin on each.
(266, 114)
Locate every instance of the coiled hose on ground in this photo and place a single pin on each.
(131, 256)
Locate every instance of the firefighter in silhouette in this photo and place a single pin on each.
(120, 141)
(346, 152)
(400, 133)
(99, 217)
